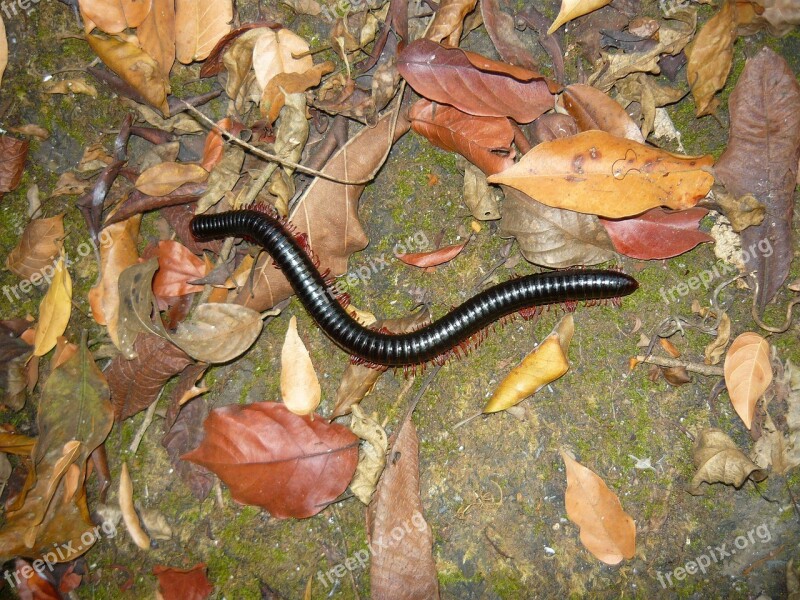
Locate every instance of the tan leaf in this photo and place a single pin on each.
(714, 351)
(546, 363)
(273, 54)
(32, 130)
(166, 177)
(778, 17)
(72, 86)
(718, 460)
(597, 173)
(572, 9)
(40, 243)
(3, 49)
(129, 514)
(594, 109)
(272, 99)
(300, 389)
(371, 456)
(480, 198)
(156, 34)
(217, 333)
(54, 311)
(710, 57)
(748, 373)
(607, 531)
(135, 67)
(448, 21)
(238, 60)
(108, 15)
(199, 26)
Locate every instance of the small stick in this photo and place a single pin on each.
(702, 369)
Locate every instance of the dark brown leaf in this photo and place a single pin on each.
(658, 233)
(139, 202)
(500, 27)
(184, 435)
(761, 159)
(13, 153)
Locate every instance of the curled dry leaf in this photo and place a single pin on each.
(480, 198)
(503, 33)
(433, 258)
(607, 531)
(199, 26)
(714, 351)
(13, 153)
(371, 455)
(597, 173)
(594, 109)
(473, 83)
(272, 99)
(54, 310)
(546, 363)
(300, 389)
(129, 515)
(710, 56)
(572, 9)
(40, 243)
(218, 333)
(448, 21)
(166, 177)
(718, 460)
(748, 373)
(290, 465)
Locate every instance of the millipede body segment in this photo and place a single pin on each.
(430, 343)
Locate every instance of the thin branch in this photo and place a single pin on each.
(702, 369)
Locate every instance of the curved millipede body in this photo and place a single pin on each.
(432, 342)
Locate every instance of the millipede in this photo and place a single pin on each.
(431, 343)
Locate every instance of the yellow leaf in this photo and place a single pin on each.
(710, 57)
(300, 388)
(607, 531)
(572, 9)
(597, 173)
(748, 373)
(54, 311)
(546, 363)
(166, 177)
(3, 49)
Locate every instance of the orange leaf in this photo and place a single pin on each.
(607, 531)
(748, 373)
(166, 177)
(300, 388)
(199, 26)
(431, 259)
(177, 266)
(597, 173)
(157, 34)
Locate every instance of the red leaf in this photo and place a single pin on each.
(431, 259)
(290, 465)
(180, 584)
(177, 266)
(658, 233)
(473, 83)
(13, 153)
(484, 141)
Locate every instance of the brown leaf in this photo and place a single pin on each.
(761, 159)
(128, 510)
(156, 34)
(112, 15)
(714, 351)
(552, 237)
(166, 177)
(748, 373)
(135, 67)
(13, 153)
(484, 141)
(433, 258)
(500, 27)
(607, 531)
(177, 266)
(273, 97)
(14, 353)
(778, 17)
(371, 456)
(718, 460)
(291, 466)
(676, 376)
(185, 434)
(473, 83)
(3, 49)
(597, 173)
(214, 63)
(218, 333)
(34, 131)
(136, 384)
(481, 198)
(658, 233)
(594, 109)
(552, 126)
(40, 243)
(199, 26)
(710, 56)
(403, 569)
(448, 20)
(274, 52)
(183, 584)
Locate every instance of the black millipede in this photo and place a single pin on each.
(435, 341)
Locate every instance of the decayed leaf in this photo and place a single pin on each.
(74, 417)
(135, 67)
(484, 141)
(72, 86)
(594, 109)
(218, 333)
(166, 177)
(290, 465)
(546, 363)
(742, 212)
(156, 34)
(607, 531)
(658, 233)
(371, 456)
(433, 258)
(136, 384)
(3, 49)
(572, 9)
(185, 434)
(552, 237)
(761, 159)
(113, 16)
(117, 253)
(40, 243)
(448, 21)
(714, 351)
(710, 57)
(479, 196)
(129, 514)
(718, 460)
(500, 27)
(748, 373)
(199, 26)
(13, 153)
(300, 389)
(404, 568)
(273, 53)
(290, 139)
(473, 83)
(597, 173)
(187, 584)
(54, 310)
(14, 354)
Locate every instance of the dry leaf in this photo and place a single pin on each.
(607, 531)
(156, 34)
(3, 49)
(718, 460)
(572, 9)
(597, 173)
(748, 373)
(448, 21)
(177, 267)
(72, 86)
(371, 455)
(546, 363)
(183, 584)
(40, 243)
(282, 84)
(710, 56)
(199, 26)
(34, 131)
(54, 310)
(594, 109)
(13, 153)
(714, 351)
(433, 258)
(273, 54)
(300, 389)
(129, 515)
(480, 198)
(218, 333)
(166, 177)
